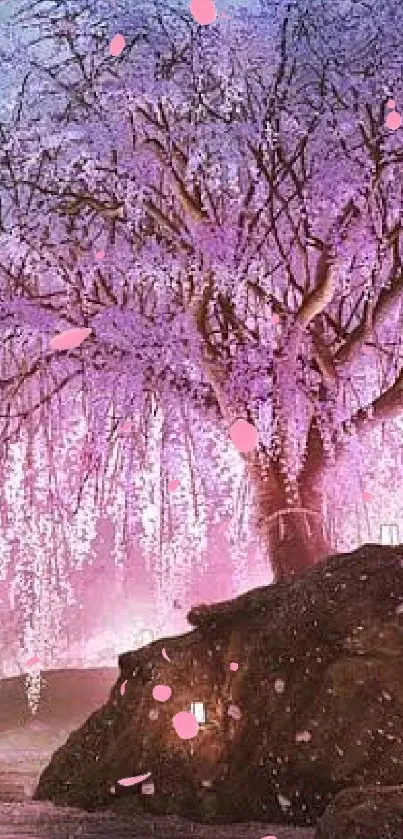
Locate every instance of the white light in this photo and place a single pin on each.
(389, 534)
(198, 709)
(147, 637)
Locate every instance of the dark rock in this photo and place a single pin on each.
(319, 688)
(365, 813)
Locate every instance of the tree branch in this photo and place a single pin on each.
(387, 406)
(324, 289)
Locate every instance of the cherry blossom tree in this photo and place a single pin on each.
(221, 206)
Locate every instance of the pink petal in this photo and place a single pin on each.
(123, 688)
(173, 485)
(185, 725)
(100, 254)
(393, 121)
(70, 339)
(203, 11)
(391, 104)
(135, 779)
(117, 45)
(244, 436)
(234, 666)
(126, 426)
(162, 692)
(165, 654)
(32, 661)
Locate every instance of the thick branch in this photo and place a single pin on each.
(324, 289)
(373, 318)
(388, 406)
(323, 292)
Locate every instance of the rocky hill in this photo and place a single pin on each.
(314, 706)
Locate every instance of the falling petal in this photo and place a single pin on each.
(135, 779)
(123, 688)
(393, 120)
(100, 254)
(70, 339)
(244, 436)
(173, 485)
(165, 654)
(391, 104)
(185, 725)
(162, 693)
(32, 661)
(234, 666)
(127, 426)
(117, 45)
(203, 11)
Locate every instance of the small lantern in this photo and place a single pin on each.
(147, 788)
(389, 534)
(198, 709)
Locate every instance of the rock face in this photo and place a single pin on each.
(364, 813)
(318, 693)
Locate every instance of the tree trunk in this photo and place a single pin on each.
(296, 541)
(295, 535)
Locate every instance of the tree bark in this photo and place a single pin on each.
(295, 536)
(296, 541)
